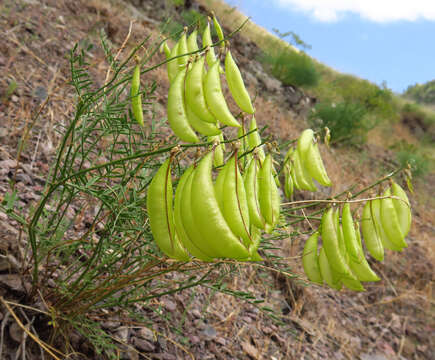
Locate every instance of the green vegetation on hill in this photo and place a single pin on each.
(422, 93)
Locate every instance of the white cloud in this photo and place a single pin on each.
(374, 10)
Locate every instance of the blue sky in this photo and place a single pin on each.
(378, 40)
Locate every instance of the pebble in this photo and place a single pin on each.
(146, 334)
(143, 345)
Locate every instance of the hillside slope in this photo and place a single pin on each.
(393, 319)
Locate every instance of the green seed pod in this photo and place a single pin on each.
(219, 31)
(315, 166)
(195, 95)
(136, 97)
(332, 246)
(177, 116)
(310, 259)
(361, 267)
(268, 193)
(192, 44)
(160, 212)
(190, 224)
(328, 275)
(172, 66)
(376, 213)
(350, 239)
(235, 206)
(182, 50)
(215, 99)
(206, 41)
(370, 234)
(180, 212)
(252, 194)
(236, 85)
(403, 208)
(209, 219)
(390, 221)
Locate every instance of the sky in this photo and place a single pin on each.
(378, 40)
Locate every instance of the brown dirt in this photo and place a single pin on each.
(393, 318)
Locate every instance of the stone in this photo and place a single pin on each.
(143, 345)
(209, 331)
(146, 334)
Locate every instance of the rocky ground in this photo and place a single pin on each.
(393, 319)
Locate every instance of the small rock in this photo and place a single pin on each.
(8, 164)
(267, 330)
(4, 264)
(196, 313)
(143, 345)
(373, 357)
(12, 281)
(221, 341)
(194, 339)
(122, 334)
(16, 332)
(250, 350)
(169, 305)
(209, 331)
(110, 324)
(26, 179)
(14, 98)
(40, 92)
(146, 334)
(247, 319)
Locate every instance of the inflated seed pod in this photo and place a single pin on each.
(331, 245)
(326, 271)
(192, 43)
(403, 208)
(252, 193)
(182, 50)
(206, 41)
(136, 97)
(177, 116)
(235, 206)
(180, 211)
(236, 84)
(304, 143)
(349, 234)
(195, 95)
(165, 48)
(219, 186)
(390, 221)
(218, 29)
(208, 217)
(161, 216)
(253, 248)
(214, 97)
(302, 177)
(172, 65)
(315, 166)
(288, 181)
(190, 223)
(361, 267)
(254, 140)
(203, 127)
(218, 159)
(310, 259)
(268, 193)
(371, 236)
(376, 213)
